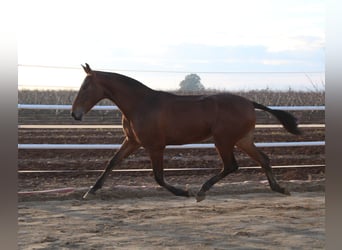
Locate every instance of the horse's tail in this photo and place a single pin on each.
(289, 121)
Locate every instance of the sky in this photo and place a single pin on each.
(229, 44)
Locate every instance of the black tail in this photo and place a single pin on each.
(289, 121)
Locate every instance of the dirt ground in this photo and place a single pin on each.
(236, 216)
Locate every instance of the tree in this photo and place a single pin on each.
(192, 82)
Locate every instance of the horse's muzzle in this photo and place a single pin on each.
(77, 115)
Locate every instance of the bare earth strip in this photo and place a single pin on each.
(258, 220)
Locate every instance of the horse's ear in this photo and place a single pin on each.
(87, 69)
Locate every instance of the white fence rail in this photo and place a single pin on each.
(187, 146)
(61, 107)
(68, 107)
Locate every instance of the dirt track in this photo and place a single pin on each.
(240, 221)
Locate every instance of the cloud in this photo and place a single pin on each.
(189, 57)
(205, 35)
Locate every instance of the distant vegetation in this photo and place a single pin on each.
(192, 82)
(266, 97)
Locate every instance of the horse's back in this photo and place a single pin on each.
(186, 119)
(195, 118)
(171, 119)
(234, 104)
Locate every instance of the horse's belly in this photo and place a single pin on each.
(178, 136)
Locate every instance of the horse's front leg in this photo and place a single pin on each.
(158, 171)
(125, 150)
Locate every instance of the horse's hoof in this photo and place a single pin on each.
(283, 191)
(200, 197)
(89, 193)
(286, 192)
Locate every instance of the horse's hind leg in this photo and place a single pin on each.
(247, 145)
(158, 171)
(125, 150)
(229, 165)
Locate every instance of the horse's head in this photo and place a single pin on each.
(89, 94)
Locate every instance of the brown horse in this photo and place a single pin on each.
(153, 119)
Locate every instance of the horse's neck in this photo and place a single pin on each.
(127, 94)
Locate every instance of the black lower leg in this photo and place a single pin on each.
(111, 164)
(208, 184)
(98, 184)
(156, 156)
(126, 149)
(274, 184)
(176, 191)
(271, 178)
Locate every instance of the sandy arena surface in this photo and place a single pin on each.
(151, 218)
